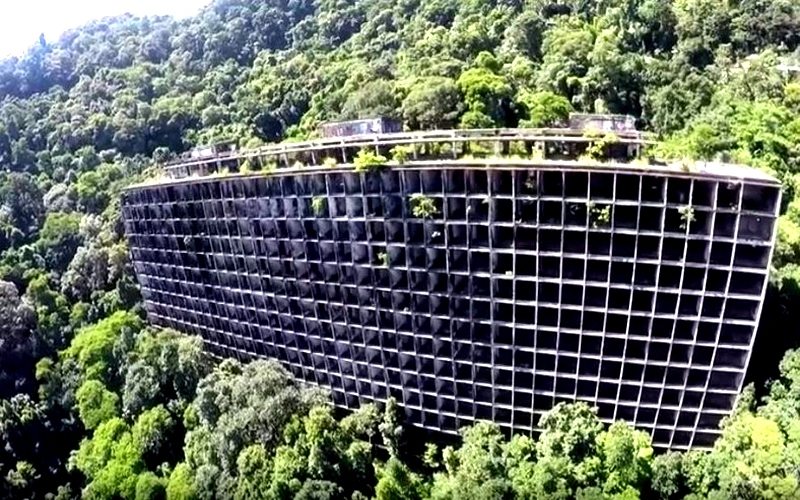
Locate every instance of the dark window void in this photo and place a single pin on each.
(601, 186)
(755, 227)
(746, 283)
(653, 189)
(759, 198)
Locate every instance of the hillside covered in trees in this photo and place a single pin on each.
(95, 404)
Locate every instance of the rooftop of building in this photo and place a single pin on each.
(525, 148)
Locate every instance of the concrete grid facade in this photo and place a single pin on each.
(530, 286)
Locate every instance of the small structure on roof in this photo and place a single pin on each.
(378, 125)
(212, 150)
(602, 122)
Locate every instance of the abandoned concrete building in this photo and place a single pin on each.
(480, 275)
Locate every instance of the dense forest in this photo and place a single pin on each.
(95, 404)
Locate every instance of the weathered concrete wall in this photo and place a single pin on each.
(526, 287)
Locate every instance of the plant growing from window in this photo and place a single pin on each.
(530, 181)
(422, 206)
(329, 162)
(369, 161)
(383, 259)
(318, 204)
(517, 148)
(270, 167)
(687, 216)
(599, 216)
(400, 154)
(245, 167)
(596, 151)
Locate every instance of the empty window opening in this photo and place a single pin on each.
(635, 349)
(567, 364)
(751, 256)
(601, 186)
(572, 294)
(666, 303)
(590, 367)
(642, 301)
(607, 391)
(595, 296)
(621, 272)
(759, 198)
(724, 380)
(628, 187)
(570, 318)
(546, 362)
(689, 305)
(748, 283)
(479, 261)
(697, 251)
(669, 277)
(619, 298)
(716, 280)
(549, 267)
(757, 227)
(678, 190)
(645, 275)
(456, 208)
(673, 249)
(730, 358)
(693, 278)
(735, 334)
(616, 323)
(701, 356)
(576, 184)
(611, 369)
(575, 242)
(547, 316)
(502, 237)
(551, 183)
(626, 217)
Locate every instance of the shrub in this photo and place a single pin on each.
(687, 216)
(400, 154)
(599, 217)
(383, 258)
(369, 161)
(423, 206)
(318, 204)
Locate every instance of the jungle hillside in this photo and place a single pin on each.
(96, 404)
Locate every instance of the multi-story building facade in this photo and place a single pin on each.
(636, 288)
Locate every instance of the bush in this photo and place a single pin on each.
(368, 161)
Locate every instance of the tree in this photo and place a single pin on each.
(17, 344)
(59, 239)
(544, 109)
(181, 485)
(153, 435)
(96, 404)
(486, 94)
(432, 102)
(376, 98)
(244, 404)
(99, 350)
(397, 482)
(477, 469)
(22, 205)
